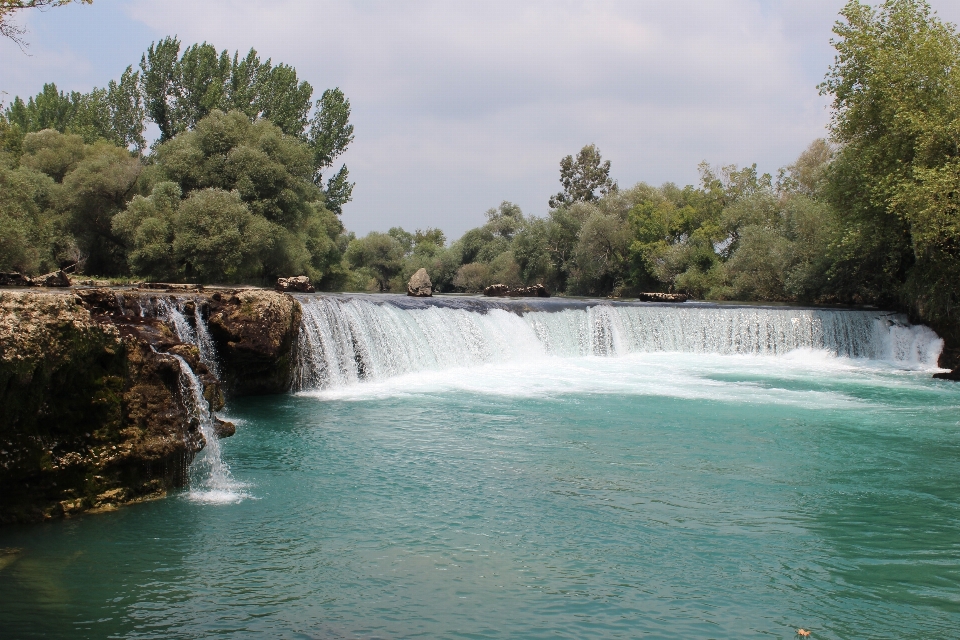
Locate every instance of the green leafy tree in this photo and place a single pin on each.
(272, 172)
(94, 183)
(895, 86)
(181, 90)
(29, 229)
(114, 114)
(379, 253)
(218, 239)
(585, 179)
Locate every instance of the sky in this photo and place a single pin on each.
(459, 106)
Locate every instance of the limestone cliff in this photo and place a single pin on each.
(92, 410)
(94, 413)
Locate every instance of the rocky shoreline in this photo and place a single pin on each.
(94, 410)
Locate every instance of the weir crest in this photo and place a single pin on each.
(347, 339)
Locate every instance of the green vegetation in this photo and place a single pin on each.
(236, 188)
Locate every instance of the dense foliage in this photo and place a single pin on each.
(232, 190)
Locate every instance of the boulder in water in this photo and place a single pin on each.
(222, 428)
(663, 297)
(299, 284)
(420, 285)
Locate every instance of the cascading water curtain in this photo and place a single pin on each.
(344, 340)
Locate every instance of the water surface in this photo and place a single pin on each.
(659, 495)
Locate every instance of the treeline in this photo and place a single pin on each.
(234, 190)
(871, 217)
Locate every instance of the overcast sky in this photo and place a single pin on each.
(461, 105)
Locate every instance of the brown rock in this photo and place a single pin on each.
(55, 279)
(497, 290)
(663, 297)
(255, 331)
(167, 286)
(420, 285)
(223, 429)
(502, 290)
(948, 375)
(15, 280)
(89, 405)
(298, 284)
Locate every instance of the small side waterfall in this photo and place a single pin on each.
(196, 333)
(346, 339)
(210, 478)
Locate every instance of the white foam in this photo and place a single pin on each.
(345, 341)
(676, 375)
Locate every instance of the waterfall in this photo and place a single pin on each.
(196, 333)
(210, 478)
(346, 339)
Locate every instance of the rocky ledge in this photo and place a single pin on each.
(504, 291)
(95, 412)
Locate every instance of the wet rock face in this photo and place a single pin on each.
(420, 285)
(92, 410)
(254, 331)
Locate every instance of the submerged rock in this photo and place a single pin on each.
(298, 284)
(420, 285)
(502, 290)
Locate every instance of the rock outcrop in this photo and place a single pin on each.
(255, 331)
(55, 279)
(93, 415)
(663, 297)
(297, 284)
(502, 290)
(419, 285)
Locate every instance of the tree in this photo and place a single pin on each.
(585, 179)
(181, 90)
(8, 8)
(114, 114)
(380, 253)
(271, 172)
(895, 85)
(29, 229)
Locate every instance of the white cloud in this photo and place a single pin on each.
(460, 105)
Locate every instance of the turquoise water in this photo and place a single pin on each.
(651, 495)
